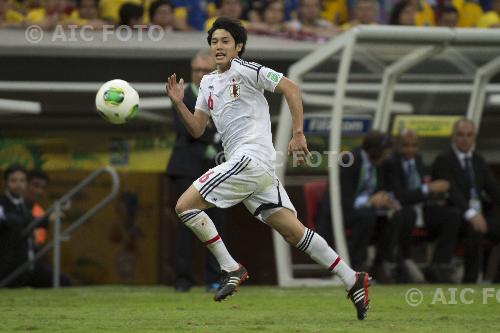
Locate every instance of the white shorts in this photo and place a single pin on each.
(241, 179)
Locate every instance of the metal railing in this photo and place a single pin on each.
(58, 236)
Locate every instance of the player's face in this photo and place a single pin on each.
(223, 48)
(16, 183)
(36, 189)
(464, 136)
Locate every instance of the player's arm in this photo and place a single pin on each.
(298, 144)
(195, 122)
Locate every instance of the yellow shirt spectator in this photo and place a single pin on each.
(110, 10)
(489, 20)
(424, 15)
(335, 11)
(36, 15)
(469, 13)
(12, 16)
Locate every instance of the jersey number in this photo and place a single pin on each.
(205, 177)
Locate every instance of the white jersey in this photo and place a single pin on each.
(235, 101)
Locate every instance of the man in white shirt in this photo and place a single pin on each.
(233, 96)
(469, 177)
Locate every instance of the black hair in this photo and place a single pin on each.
(79, 3)
(448, 9)
(234, 27)
(38, 174)
(265, 5)
(218, 3)
(374, 144)
(13, 168)
(128, 11)
(397, 10)
(157, 4)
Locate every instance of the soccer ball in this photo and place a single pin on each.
(117, 102)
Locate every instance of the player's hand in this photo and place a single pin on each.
(439, 186)
(479, 223)
(175, 90)
(297, 147)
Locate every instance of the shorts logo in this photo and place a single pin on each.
(273, 76)
(234, 89)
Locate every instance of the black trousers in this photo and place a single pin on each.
(472, 242)
(443, 224)
(186, 241)
(363, 224)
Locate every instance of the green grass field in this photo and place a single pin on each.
(252, 309)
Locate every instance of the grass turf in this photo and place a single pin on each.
(252, 309)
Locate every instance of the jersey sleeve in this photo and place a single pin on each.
(268, 79)
(201, 102)
(259, 76)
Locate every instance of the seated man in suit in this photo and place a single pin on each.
(421, 202)
(469, 178)
(364, 203)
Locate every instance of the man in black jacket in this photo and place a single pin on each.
(470, 178)
(15, 247)
(364, 203)
(190, 158)
(423, 204)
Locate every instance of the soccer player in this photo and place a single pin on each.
(233, 96)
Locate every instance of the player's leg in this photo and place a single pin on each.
(293, 231)
(190, 208)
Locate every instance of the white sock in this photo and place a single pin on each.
(319, 251)
(203, 227)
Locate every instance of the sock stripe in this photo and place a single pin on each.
(307, 240)
(301, 246)
(213, 240)
(335, 263)
(187, 217)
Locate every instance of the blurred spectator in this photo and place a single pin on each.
(470, 178)
(469, 12)
(271, 19)
(48, 16)
(191, 157)
(195, 12)
(491, 19)
(366, 206)
(161, 13)
(109, 10)
(131, 15)
(335, 11)
(403, 13)
(16, 248)
(424, 16)
(86, 13)
(38, 181)
(9, 18)
(448, 17)
(309, 23)
(365, 12)
(227, 8)
(422, 204)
